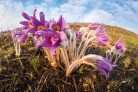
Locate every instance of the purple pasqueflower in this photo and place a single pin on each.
(78, 35)
(47, 38)
(93, 26)
(33, 24)
(19, 36)
(104, 66)
(50, 39)
(101, 36)
(59, 25)
(119, 45)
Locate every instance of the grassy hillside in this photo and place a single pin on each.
(31, 73)
(130, 38)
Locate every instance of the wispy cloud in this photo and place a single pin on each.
(121, 13)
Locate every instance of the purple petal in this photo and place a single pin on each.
(59, 22)
(104, 72)
(31, 30)
(46, 34)
(46, 25)
(34, 13)
(44, 43)
(26, 16)
(23, 38)
(119, 44)
(93, 26)
(102, 41)
(19, 32)
(25, 23)
(24, 28)
(42, 17)
(105, 64)
(35, 22)
(78, 35)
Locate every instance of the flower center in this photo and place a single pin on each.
(30, 25)
(40, 28)
(56, 27)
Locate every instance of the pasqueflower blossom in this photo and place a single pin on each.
(99, 31)
(104, 66)
(59, 25)
(33, 24)
(93, 26)
(50, 39)
(119, 45)
(19, 36)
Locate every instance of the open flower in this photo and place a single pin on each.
(50, 39)
(59, 25)
(33, 24)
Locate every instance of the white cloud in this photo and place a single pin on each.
(73, 11)
(10, 13)
(99, 16)
(125, 16)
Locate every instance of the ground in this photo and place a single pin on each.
(31, 72)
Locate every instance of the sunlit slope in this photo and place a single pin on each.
(130, 38)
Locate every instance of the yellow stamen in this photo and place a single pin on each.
(31, 26)
(40, 28)
(56, 27)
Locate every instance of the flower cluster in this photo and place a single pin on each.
(64, 45)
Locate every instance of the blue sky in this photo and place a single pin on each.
(122, 13)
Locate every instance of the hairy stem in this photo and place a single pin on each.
(50, 57)
(85, 47)
(17, 49)
(84, 60)
(65, 57)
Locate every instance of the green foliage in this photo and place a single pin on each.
(35, 62)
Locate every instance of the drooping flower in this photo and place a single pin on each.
(104, 66)
(99, 31)
(59, 25)
(101, 36)
(119, 45)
